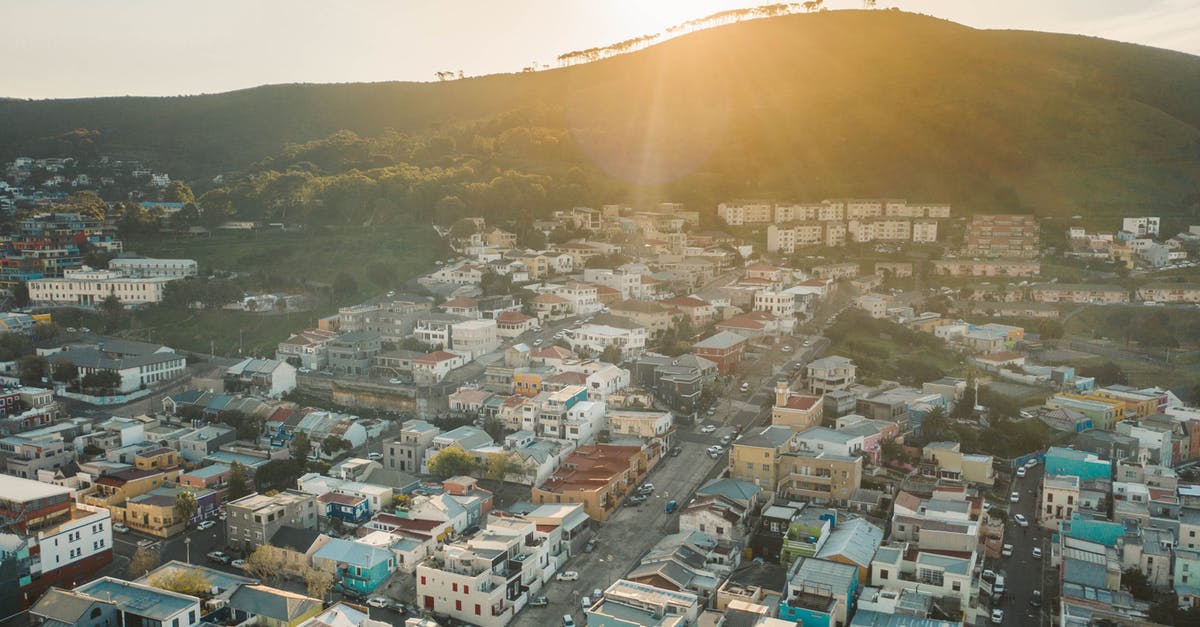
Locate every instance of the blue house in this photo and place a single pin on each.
(345, 507)
(1087, 466)
(819, 593)
(360, 567)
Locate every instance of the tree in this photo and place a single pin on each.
(46, 331)
(101, 380)
(14, 345)
(934, 424)
(400, 501)
(33, 369)
(185, 505)
(451, 462)
(611, 354)
(183, 581)
(266, 563)
(65, 371)
(332, 444)
(112, 309)
(318, 581)
(301, 447)
(237, 481)
(1138, 584)
(501, 465)
(143, 561)
(1050, 329)
(178, 191)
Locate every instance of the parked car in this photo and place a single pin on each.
(374, 456)
(1031, 463)
(120, 527)
(597, 593)
(379, 602)
(145, 543)
(398, 608)
(218, 557)
(1021, 520)
(1037, 553)
(1006, 550)
(539, 601)
(676, 451)
(567, 575)
(585, 602)
(727, 439)
(997, 616)
(238, 564)
(1015, 497)
(672, 505)
(590, 546)
(646, 488)
(568, 621)
(708, 428)
(395, 381)
(205, 524)
(787, 348)
(745, 387)
(989, 575)
(1021, 472)
(1036, 599)
(711, 411)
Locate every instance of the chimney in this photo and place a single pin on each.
(781, 392)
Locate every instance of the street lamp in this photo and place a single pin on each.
(187, 545)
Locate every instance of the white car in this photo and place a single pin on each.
(378, 602)
(997, 616)
(708, 428)
(1021, 520)
(567, 575)
(1021, 471)
(1037, 553)
(1015, 497)
(396, 381)
(1031, 463)
(374, 456)
(1006, 550)
(206, 524)
(120, 527)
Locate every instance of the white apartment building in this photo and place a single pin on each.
(475, 337)
(488, 578)
(924, 231)
(145, 267)
(1142, 227)
(602, 380)
(778, 303)
(630, 338)
(88, 532)
(748, 213)
(87, 287)
(628, 283)
(896, 568)
(584, 298)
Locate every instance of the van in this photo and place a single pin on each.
(568, 621)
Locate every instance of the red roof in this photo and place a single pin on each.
(1001, 356)
(685, 301)
(461, 301)
(512, 317)
(435, 357)
(549, 298)
(340, 499)
(553, 352)
(801, 401)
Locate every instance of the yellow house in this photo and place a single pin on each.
(154, 512)
(951, 463)
(755, 457)
(113, 490)
(1118, 406)
(1137, 404)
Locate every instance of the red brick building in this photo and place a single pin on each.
(724, 349)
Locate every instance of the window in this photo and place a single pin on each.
(478, 612)
(422, 580)
(956, 586)
(466, 589)
(1049, 497)
(883, 574)
(458, 605)
(454, 587)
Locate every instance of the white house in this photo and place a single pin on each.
(87, 287)
(434, 367)
(137, 371)
(608, 330)
(268, 377)
(474, 337)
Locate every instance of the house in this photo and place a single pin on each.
(460, 579)
(140, 604)
(264, 377)
(755, 457)
(654, 317)
(685, 562)
(830, 374)
(795, 411)
(255, 518)
(717, 517)
(753, 583)
(1079, 294)
(954, 465)
(740, 492)
(678, 382)
(511, 324)
(852, 542)
(306, 349)
(273, 607)
(360, 567)
(464, 306)
(698, 311)
(597, 476)
(68, 608)
(205, 441)
(724, 349)
(819, 592)
(353, 353)
(628, 602)
(154, 512)
(434, 367)
(607, 330)
(901, 566)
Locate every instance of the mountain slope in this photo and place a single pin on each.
(801, 106)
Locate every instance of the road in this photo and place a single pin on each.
(1024, 573)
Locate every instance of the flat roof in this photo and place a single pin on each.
(24, 490)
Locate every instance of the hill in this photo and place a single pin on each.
(862, 103)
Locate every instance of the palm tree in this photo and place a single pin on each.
(934, 424)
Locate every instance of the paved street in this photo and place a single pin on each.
(1024, 574)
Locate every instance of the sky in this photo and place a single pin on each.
(81, 48)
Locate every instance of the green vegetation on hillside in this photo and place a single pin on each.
(883, 349)
(864, 103)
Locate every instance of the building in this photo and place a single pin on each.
(154, 512)
(755, 457)
(631, 603)
(998, 235)
(819, 593)
(1079, 294)
(607, 330)
(253, 519)
(49, 540)
(136, 370)
(262, 377)
(903, 567)
(1141, 227)
(724, 349)
(796, 411)
(353, 353)
(434, 367)
(142, 267)
(1170, 293)
(987, 267)
(830, 374)
(359, 566)
(474, 337)
(824, 477)
(85, 287)
(264, 605)
(598, 476)
(1060, 499)
(133, 603)
(954, 465)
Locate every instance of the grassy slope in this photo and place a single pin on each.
(318, 256)
(805, 106)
